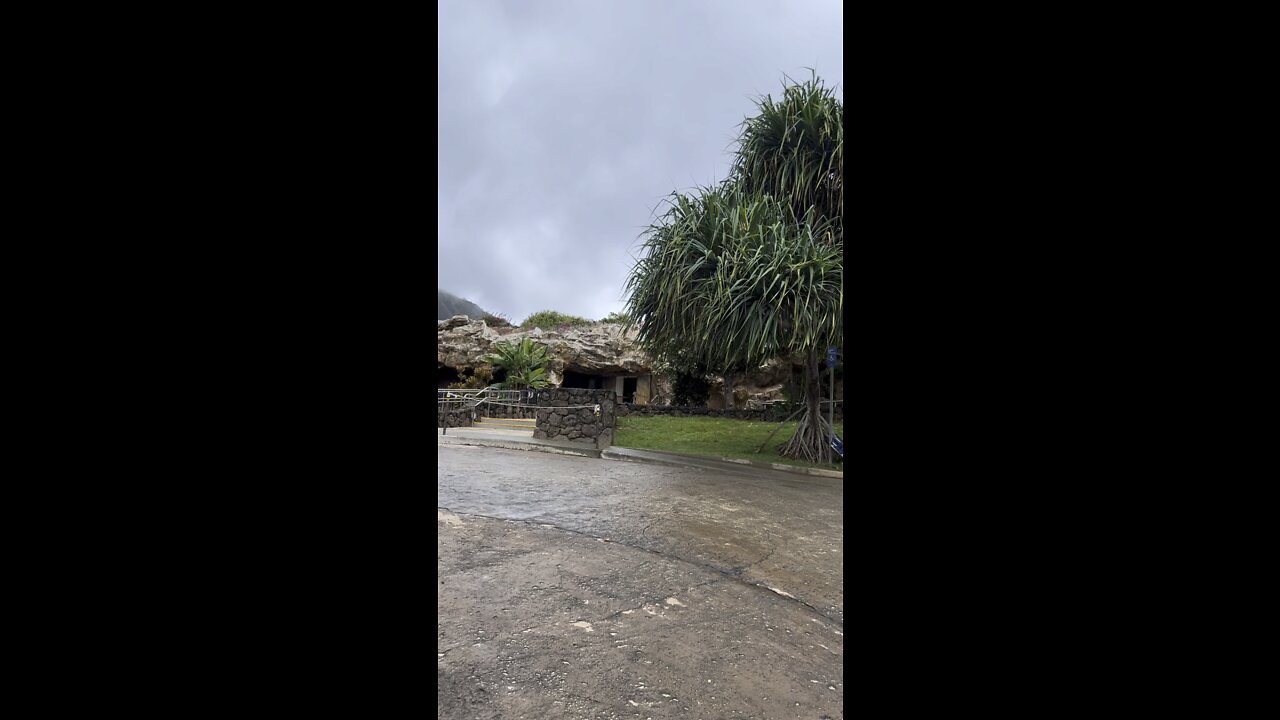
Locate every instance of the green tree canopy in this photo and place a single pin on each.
(733, 275)
(793, 149)
(732, 280)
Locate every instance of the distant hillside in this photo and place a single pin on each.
(450, 305)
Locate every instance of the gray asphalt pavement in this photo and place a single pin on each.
(585, 588)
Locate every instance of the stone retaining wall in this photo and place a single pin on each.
(558, 421)
(454, 418)
(499, 411)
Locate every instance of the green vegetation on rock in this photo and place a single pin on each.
(480, 378)
(499, 320)
(552, 320)
(619, 318)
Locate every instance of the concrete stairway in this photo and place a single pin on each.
(505, 425)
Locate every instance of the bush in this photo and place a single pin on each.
(552, 320)
(496, 320)
(690, 389)
(480, 378)
(619, 318)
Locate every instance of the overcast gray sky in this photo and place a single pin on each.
(564, 123)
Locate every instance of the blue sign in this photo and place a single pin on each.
(838, 445)
(831, 357)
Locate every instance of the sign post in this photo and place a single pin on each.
(831, 411)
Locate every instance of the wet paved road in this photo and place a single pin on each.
(578, 587)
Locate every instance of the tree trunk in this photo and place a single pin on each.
(811, 441)
(728, 392)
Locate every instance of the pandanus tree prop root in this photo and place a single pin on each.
(812, 441)
(775, 430)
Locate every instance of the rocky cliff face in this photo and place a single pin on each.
(599, 349)
(765, 384)
(595, 349)
(462, 341)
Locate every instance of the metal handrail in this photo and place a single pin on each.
(471, 398)
(466, 394)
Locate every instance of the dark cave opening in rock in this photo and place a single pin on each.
(573, 379)
(446, 376)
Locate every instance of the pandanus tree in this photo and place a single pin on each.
(753, 269)
(794, 150)
(524, 362)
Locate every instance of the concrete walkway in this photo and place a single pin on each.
(484, 432)
(512, 440)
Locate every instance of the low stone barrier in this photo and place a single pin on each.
(453, 418)
(561, 418)
(493, 410)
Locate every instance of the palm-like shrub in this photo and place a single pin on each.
(524, 362)
(530, 378)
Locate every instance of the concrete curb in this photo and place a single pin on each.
(701, 462)
(517, 445)
(818, 472)
(628, 455)
(611, 455)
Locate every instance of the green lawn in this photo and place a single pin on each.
(716, 437)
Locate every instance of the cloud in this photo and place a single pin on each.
(563, 124)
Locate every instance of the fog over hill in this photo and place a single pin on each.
(450, 305)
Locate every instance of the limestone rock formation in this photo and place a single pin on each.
(599, 348)
(463, 341)
(765, 384)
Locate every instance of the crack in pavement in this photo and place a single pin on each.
(750, 565)
(732, 575)
(657, 599)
